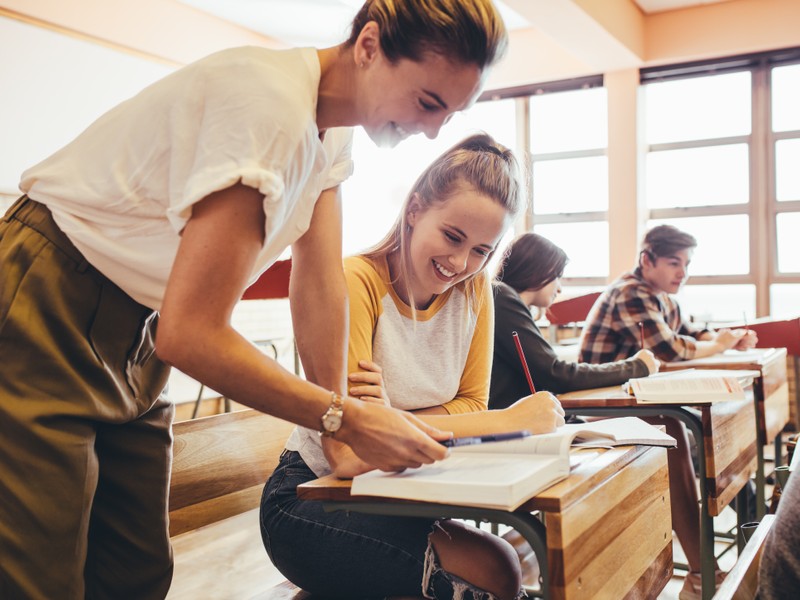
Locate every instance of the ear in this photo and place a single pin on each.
(414, 210)
(645, 259)
(368, 45)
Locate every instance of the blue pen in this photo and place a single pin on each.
(483, 439)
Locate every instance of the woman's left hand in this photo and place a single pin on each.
(368, 384)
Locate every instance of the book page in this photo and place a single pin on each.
(490, 480)
(555, 443)
(619, 432)
(690, 386)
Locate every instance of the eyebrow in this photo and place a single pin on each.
(465, 236)
(437, 98)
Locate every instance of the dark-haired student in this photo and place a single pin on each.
(530, 276)
(644, 295)
(613, 332)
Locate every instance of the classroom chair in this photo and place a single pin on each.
(571, 311)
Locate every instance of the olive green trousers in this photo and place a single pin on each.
(85, 434)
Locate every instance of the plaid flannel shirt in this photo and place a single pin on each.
(612, 326)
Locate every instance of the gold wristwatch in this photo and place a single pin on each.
(332, 419)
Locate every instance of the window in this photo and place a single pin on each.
(722, 144)
(568, 143)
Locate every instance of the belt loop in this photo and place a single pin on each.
(19, 203)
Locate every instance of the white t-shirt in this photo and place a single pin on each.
(123, 190)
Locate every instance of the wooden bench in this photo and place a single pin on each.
(219, 469)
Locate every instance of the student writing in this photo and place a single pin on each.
(530, 276)
(161, 213)
(420, 340)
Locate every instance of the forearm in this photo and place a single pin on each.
(241, 372)
(320, 321)
(708, 348)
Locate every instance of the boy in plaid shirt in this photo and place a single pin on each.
(639, 306)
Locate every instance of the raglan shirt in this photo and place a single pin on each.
(443, 358)
(123, 190)
(612, 333)
(549, 373)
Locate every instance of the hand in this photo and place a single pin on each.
(649, 359)
(726, 339)
(747, 341)
(539, 413)
(390, 439)
(371, 388)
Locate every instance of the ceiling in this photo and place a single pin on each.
(290, 22)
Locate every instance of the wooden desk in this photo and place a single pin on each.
(726, 445)
(771, 396)
(614, 501)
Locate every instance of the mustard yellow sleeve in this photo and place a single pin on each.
(365, 289)
(473, 393)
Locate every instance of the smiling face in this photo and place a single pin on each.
(667, 273)
(408, 97)
(450, 241)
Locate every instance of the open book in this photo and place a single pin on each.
(691, 386)
(503, 475)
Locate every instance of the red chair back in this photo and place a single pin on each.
(273, 283)
(777, 334)
(571, 310)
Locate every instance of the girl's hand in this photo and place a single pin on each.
(539, 413)
(649, 359)
(368, 384)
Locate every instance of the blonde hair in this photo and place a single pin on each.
(465, 31)
(477, 161)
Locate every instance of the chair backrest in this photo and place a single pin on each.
(273, 283)
(571, 310)
(741, 582)
(220, 465)
(783, 333)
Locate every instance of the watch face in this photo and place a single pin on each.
(332, 422)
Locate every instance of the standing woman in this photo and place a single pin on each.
(530, 276)
(420, 340)
(162, 212)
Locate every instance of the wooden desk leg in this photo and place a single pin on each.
(527, 525)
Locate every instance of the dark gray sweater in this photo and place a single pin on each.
(508, 382)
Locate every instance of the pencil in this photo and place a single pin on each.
(523, 361)
(641, 334)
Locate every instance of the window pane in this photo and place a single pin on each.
(570, 185)
(789, 243)
(784, 300)
(785, 98)
(697, 108)
(565, 121)
(722, 243)
(585, 259)
(373, 196)
(787, 175)
(697, 177)
(718, 303)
